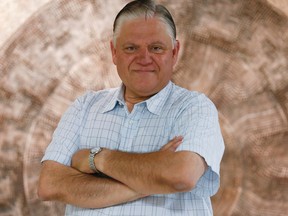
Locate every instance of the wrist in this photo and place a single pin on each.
(100, 160)
(92, 154)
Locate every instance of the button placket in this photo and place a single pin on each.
(130, 128)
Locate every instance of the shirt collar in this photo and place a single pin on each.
(116, 97)
(154, 104)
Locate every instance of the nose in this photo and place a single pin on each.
(144, 57)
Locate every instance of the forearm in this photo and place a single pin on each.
(65, 184)
(142, 172)
(159, 172)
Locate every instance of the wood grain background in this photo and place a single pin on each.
(235, 51)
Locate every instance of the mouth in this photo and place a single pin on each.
(144, 70)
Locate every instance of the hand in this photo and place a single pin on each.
(173, 144)
(80, 161)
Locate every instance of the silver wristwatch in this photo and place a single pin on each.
(92, 154)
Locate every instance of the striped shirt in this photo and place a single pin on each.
(102, 119)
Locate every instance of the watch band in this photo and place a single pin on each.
(92, 155)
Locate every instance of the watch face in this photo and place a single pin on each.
(95, 150)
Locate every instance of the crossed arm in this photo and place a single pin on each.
(133, 176)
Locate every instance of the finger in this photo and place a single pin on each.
(168, 145)
(174, 143)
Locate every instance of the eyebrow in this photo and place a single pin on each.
(163, 45)
(152, 43)
(158, 42)
(128, 43)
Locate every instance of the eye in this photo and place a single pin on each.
(157, 49)
(130, 49)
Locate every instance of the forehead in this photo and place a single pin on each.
(143, 29)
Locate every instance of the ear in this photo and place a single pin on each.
(176, 51)
(113, 52)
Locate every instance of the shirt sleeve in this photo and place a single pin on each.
(199, 125)
(65, 139)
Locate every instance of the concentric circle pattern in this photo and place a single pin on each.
(236, 52)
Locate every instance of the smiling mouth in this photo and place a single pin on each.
(144, 71)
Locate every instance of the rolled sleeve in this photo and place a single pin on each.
(199, 125)
(65, 140)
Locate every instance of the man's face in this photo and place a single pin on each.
(144, 56)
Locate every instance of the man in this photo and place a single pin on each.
(148, 147)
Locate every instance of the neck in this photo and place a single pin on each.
(131, 101)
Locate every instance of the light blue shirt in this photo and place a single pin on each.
(102, 119)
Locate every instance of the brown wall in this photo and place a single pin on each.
(234, 51)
